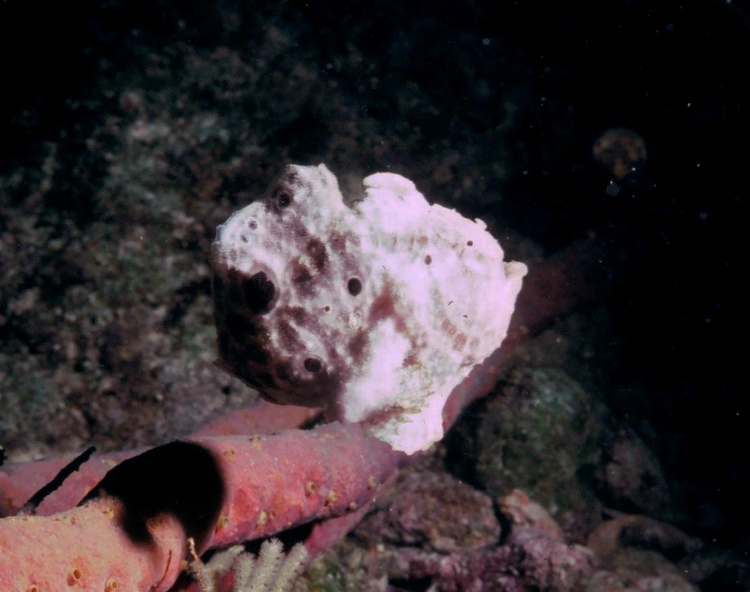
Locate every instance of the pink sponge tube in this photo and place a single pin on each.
(134, 537)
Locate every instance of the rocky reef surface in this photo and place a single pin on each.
(622, 427)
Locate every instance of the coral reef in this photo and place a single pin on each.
(262, 486)
(135, 132)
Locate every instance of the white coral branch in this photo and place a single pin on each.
(270, 571)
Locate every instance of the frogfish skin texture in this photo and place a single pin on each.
(373, 311)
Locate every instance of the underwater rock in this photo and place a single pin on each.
(541, 435)
(432, 511)
(524, 513)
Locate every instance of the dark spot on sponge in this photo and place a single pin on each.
(161, 481)
(258, 292)
(354, 285)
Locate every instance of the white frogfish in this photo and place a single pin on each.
(373, 311)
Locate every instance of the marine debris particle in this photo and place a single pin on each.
(374, 312)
